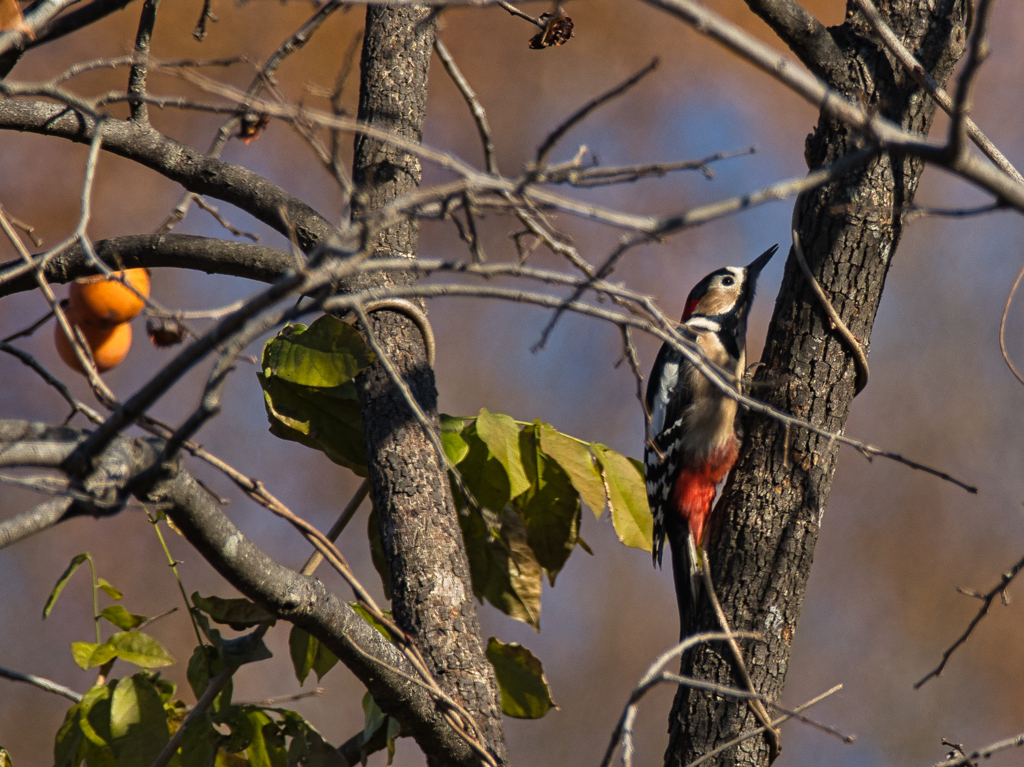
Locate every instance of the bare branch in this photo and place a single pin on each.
(998, 590)
(805, 36)
(926, 81)
(581, 114)
(41, 683)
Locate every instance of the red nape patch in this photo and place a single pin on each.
(688, 309)
(694, 489)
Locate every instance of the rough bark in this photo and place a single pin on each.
(771, 510)
(430, 582)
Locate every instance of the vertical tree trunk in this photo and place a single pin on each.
(761, 551)
(432, 596)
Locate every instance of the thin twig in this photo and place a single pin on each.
(581, 114)
(754, 733)
(756, 706)
(926, 81)
(977, 52)
(999, 589)
(860, 359)
(1002, 327)
(41, 683)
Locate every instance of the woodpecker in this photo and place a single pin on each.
(693, 442)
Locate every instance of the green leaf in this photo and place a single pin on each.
(627, 497)
(71, 746)
(309, 654)
(206, 662)
(121, 618)
(501, 435)
(394, 730)
(307, 377)
(111, 591)
(138, 723)
(550, 508)
(483, 474)
(94, 715)
(76, 562)
(326, 354)
(239, 614)
(505, 571)
(328, 420)
(89, 654)
(199, 745)
(5, 758)
(524, 689)
(373, 717)
(266, 749)
(576, 461)
(455, 446)
(140, 649)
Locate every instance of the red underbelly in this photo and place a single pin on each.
(694, 489)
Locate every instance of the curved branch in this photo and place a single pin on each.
(806, 37)
(196, 172)
(134, 465)
(180, 251)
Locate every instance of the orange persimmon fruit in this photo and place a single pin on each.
(109, 345)
(104, 301)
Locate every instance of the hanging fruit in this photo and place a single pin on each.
(104, 301)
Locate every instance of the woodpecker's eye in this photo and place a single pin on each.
(728, 281)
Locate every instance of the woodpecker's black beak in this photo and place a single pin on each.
(760, 262)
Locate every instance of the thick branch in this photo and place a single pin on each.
(178, 162)
(132, 465)
(178, 251)
(805, 36)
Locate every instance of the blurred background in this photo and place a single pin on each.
(895, 544)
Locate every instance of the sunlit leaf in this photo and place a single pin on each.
(110, 590)
(238, 613)
(483, 474)
(455, 447)
(309, 654)
(70, 747)
(326, 354)
(138, 724)
(5, 758)
(76, 562)
(627, 497)
(524, 688)
(501, 435)
(266, 749)
(578, 462)
(121, 618)
(89, 654)
(306, 375)
(94, 717)
(550, 508)
(140, 649)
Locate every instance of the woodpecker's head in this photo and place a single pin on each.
(727, 292)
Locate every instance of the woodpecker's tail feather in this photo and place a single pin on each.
(696, 561)
(686, 563)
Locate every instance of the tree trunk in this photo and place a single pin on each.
(432, 598)
(771, 509)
